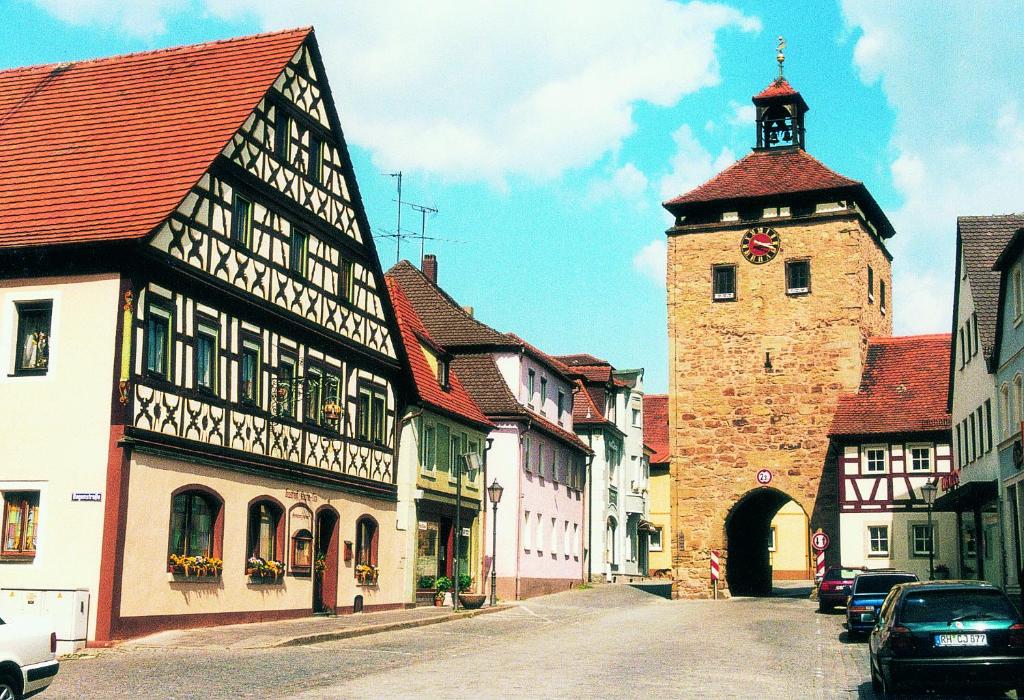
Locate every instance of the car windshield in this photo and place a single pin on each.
(841, 574)
(880, 583)
(954, 605)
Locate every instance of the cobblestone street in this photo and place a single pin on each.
(573, 642)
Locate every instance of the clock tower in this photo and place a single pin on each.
(777, 276)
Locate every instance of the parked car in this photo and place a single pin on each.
(28, 660)
(954, 635)
(869, 590)
(835, 586)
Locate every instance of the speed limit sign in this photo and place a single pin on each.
(764, 477)
(819, 540)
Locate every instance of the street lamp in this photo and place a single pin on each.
(928, 492)
(472, 463)
(494, 492)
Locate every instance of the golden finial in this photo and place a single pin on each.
(780, 56)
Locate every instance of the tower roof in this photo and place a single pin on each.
(779, 87)
(106, 149)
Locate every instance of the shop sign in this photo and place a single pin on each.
(87, 496)
(950, 481)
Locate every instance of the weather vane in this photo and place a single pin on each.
(780, 56)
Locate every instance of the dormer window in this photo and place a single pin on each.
(442, 373)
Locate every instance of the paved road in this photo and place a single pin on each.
(612, 641)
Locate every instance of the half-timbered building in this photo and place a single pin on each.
(205, 428)
(892, 438)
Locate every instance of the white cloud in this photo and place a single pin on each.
(486, 90)
(742, 115)
(651, 259)
(691, 164)
(952, 79)
(142, 18)
(627, 183)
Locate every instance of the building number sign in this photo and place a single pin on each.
(764, 477)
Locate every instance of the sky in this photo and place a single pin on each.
(546, 134)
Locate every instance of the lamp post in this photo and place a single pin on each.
(928, 491)
(494, 492)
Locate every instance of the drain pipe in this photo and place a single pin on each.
(590, 509)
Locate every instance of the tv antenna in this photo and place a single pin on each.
(398, 228)
(423, 210)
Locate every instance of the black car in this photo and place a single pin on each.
(963, 635)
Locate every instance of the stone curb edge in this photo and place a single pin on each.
(385, 627)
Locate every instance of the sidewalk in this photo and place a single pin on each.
(305, 630)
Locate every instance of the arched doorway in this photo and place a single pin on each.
(748, 530)
(325, 567)
(611, 552)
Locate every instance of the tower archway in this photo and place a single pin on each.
(748, 567)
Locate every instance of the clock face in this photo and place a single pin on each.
(760, 244)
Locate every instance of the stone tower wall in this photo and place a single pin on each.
(730, 417)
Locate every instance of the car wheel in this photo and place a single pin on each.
(876, 682)
(8, 690)
(888, 687)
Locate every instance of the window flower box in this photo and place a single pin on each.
(262, 571)
(366, 574)
(194, 567)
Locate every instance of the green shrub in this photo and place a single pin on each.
(442, 584)
(425, 582)
(465, 582)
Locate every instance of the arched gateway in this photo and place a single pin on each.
(777, 275)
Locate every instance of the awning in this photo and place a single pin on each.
(966, 496)
(646, 526)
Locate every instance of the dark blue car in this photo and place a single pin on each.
(869, 591)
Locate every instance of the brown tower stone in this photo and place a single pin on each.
(777, 275)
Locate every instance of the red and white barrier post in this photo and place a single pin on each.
(716, 572)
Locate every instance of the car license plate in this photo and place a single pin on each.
(961, 640)
(867, 617)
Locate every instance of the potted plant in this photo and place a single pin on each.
(470, 601)
(197, 566)
(442, 585)
(262, 570)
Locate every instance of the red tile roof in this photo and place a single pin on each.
(455, 401)
(106, 149)
(656, 426)
(902, 390)
(585, 410)
(779, 87)
(765, 173)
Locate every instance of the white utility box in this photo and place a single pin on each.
(67, 610)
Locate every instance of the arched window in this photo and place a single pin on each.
(1004, 409)
(266, 536)
(610, 549)
(195, 524)
(366, 541)
(1015, 409)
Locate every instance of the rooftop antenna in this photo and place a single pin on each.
(780, 56)
(423, 210)
(398, 229)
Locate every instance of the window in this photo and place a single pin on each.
(798, 277)
(723, 283)
(543, 392)
(1018, 397)
(194, 515)
(158, 342)
(771, 539)
(1004, 409)
(878, 540)
(575, 541)
(871, 285)
(539, 537)
(1015, 291)
(455, 454)
(530, 377)
(654, 540)
(554, 536)
(527, 530)
(526, 454)
(561, 405)
(286, 391)
(283, 135)
(881, 295)
(988, 425)
(366, 541)
(371, 416)
(378, 419)
(21, 518)
(316, 159)
(874, 460)
(972, 445)
(33, 350)
(428, 456)
(347, 281)
(567, 541)
(966, 330)
(442, 459)
(963, 348)
(314, 400)
(297, 251)
(265, 531)
(981, 432)
(540, 461)
(920, 540)
(241, 221)
(206, 356)
(959, 447)
(442, 373)
(975, 327)
(920, 458)
(249, 373)
(636, 418)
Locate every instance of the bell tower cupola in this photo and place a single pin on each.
(780, 112)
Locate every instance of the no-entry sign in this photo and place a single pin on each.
(819, 540)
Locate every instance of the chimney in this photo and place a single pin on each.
(429, 267)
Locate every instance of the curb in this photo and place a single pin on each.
(385, 627)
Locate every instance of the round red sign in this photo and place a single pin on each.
(764, 477)
(819, 540)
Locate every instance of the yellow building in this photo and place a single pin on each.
(788, 551)
(659, 561)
